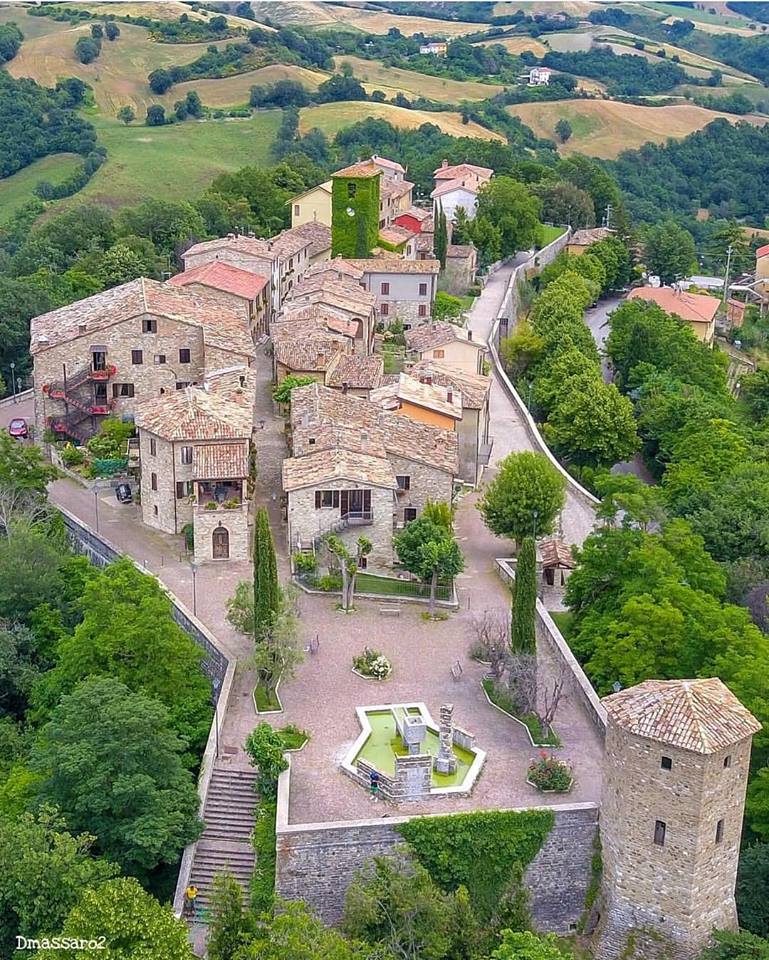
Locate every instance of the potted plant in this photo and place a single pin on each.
(549, 774)
(372, 665)
(211, 505)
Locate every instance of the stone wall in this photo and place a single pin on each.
(234, 521)
(427, 483)
(317, 862)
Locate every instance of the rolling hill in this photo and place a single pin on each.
(390, 80)
(333, 117)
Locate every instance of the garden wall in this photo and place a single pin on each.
(316, 862)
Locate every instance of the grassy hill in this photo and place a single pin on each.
(390, 80)
(18, 188)
(333, 117)
(331, 15)
(604, 128)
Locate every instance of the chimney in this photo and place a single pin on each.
(444, 164)
(426, 378)
(230, 236)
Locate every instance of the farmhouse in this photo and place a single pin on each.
(447, 342)
(539, 76)
(581, 240)
(457, 186)
(695, 309)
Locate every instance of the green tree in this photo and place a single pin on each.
(266, 586)
(126, 114)
(29, 570)
(19, 303)
(736, 946)
(43, 871)
(563, 130)
(528, 946)
(264, 747)
(522, 638)
(87, 49)
(428, 550)
(462, 228)
(169, 224)
(393, 902)
(446, 307)
(670, 251)
(282, 392)
(296, 933)
(128, 633)
(752, 883)
(156, 115)
(524, 498)
(514, 211)
(521, 350)
(441, 237)
(132, 923)
(562, 202)
(487, 237)
(120, 264)
(228, 923)
(349, 563)
(754, 391)
(113, 766)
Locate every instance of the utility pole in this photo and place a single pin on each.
(729, 250)
(607, 215)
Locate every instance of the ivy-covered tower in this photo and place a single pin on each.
(355, 210)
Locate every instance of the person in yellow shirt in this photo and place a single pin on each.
(189, 899)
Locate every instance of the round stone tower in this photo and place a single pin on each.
(675, 773)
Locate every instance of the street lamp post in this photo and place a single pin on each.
(96, 506)
(535, 515)
(13, 380)
(194, 569)
(215, 703)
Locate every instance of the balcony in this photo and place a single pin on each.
(215, 495)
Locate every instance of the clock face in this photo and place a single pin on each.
(350, 212)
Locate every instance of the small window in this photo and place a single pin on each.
(385, 287)
(149, 325)
(352, 189)
(362, 562)
(186, 454)
(296, 209)
(404, 482)
(160, 358)
(384, 309)
(181, 384)
(659, 832)
(409, 514)
(720, 831)
(153, 447)
(422, 289)
(439, 354)
(184, 355)
(727, 761)
(155, 510)
(154, 481)
(291, 264)
(422, 311)
(183, 489)
(666, 763)
(137, 358)
(326, 498)
(122, 389)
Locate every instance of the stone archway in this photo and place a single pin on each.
(220, 543)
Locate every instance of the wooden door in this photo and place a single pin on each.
(221, 543)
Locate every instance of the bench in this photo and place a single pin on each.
(390, 610)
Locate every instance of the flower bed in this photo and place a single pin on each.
(499, 698)
(372, 665)
(550, 775)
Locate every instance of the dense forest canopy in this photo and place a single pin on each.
(625, 74)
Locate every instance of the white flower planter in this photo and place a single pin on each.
(366, 676)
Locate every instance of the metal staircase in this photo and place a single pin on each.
(81, 406)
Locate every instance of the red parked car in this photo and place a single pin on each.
(19, 428)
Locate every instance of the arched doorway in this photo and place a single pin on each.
(221, 543)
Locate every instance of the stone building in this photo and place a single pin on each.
(421, 459)
(675, 773)
(237, 288)
(461, 268)
(403, 289)
(449, 343)
(457, 186)
(103, 355)
(195, 455)
(335, 293)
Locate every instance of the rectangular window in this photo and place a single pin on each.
(154, 481)
(362, 562)
(422, 289)
(122, 389)
(153, 447)
(181, 384)
(666, 763)
(384, 309)
(160, 358)
(385, 288)
(184, 355)
(422, 311)
(183, 489)
(404, 482)
(352, 189)
(149, 325)
(659, 833)
(137, 358)
(296, 209)
(186, 454)
(727, 761)
(409, 514)
(438, 354)
(326, 499)
(720, 831)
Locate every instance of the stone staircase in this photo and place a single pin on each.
(225, 846)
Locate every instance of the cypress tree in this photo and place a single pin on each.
(522, 636)
(441, 237)
(266, 587)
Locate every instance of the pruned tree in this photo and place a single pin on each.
(491, 640)
(278, 653)
(349, 564)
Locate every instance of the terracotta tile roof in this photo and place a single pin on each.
(312, 355)
(418, 213)
(691, 307)
(326, 466)
(352, 300)
(223, 326)
(338, 267)
(223, 276)
(319, 406)
(318, 235)
(460, 250)
(425, 242)
(395, 188)
(431, 396)
(396, 235)
(365, 168)
(195, 414)
(253, 246)
(395, 265)
(703, 716)
(462, 169)
(435, 334)
(314, 319)
(556, 553)
(762, 251)
(390, 164)
(584, 238)
(236, 384)
(220, 461)
(358, 372)
(451, 185)
(474, 387)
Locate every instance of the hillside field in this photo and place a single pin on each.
(604, 128)
(518, 45)
(19, 187)
(235, 90)
(390, 80)
(333, 117)
(324, 16)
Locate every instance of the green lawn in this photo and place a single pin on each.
(550, 233)
(698, 16)
(18, 188)
(390, 587)
(563, 620)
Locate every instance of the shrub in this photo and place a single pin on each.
(330, 582)
(372, 663)
(72, 456)
(550, 773)
(305, 562)
(264, 746)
